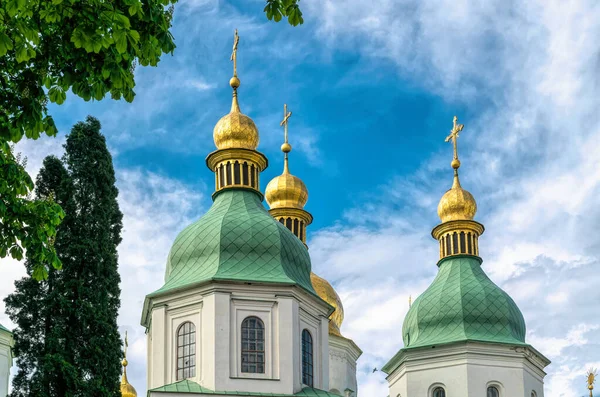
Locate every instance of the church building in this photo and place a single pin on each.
(241, 313)
(464, 336)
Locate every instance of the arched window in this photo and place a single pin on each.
(533, 393)
(448, 252)
(455, 243)
(307, 358)
(492, 391)
(245, 174)
(469, 244)
(252, 176)
(221, 176)
(253, 346)
(237, 177)
(463, 248)
(186, 351)
(228, 168)
(439, 392)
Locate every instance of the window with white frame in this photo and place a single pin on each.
(186, 351)
(253, 345)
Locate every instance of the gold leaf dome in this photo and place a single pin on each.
(286, 191)
(127, 390)
(457, 204)
(236, 130)
(328, 294)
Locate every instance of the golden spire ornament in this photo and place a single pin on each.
(236, 40)
(127, 390)
(456, 128)
(591, 379)
(286, 147)
(458, 233)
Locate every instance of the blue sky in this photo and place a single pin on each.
(373, 88)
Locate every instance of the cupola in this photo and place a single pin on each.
(458, 234)
(236, 162)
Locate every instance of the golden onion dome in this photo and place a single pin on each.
(328, 294)
(457, 204)
(235, 130)
(127, 390)
(286, 191)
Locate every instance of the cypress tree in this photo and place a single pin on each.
(67, 336)
(90, 270)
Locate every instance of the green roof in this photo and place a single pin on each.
(237, 240)
(188, 386)
(3, 328)
(462, 304)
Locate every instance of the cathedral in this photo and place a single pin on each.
(241, 313)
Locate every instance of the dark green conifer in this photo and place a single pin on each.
(71, 319)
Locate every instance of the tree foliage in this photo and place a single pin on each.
(276, 10)
(26, 224)
(48, 47)
(67, 338)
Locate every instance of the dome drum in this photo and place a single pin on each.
(458, 237)
(296, 220)
(237, 168)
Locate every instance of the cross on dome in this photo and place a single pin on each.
(456, 128)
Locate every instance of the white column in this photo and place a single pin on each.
(157, 355)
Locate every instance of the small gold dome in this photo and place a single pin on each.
(457, 204)
(328, 294)
(236, 130)
(126, 389)
(286, 191)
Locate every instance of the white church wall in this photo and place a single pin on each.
(266, 311)
(217, 311)
(468, 369)
(343, 354)
(162, 339)
(313, 324)
(6, 359)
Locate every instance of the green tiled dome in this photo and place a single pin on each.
(462, 304)
(237, 240)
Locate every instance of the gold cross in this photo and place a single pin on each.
(126, 345)
(236, 40)
(284, 122)
(456, 128)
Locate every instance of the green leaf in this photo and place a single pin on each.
(134, 35)
(6, 44)
(40, 272)
(121, 43)
(57, 95)
(47, 81)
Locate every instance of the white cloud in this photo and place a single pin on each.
(200, 85)
(530, 156)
